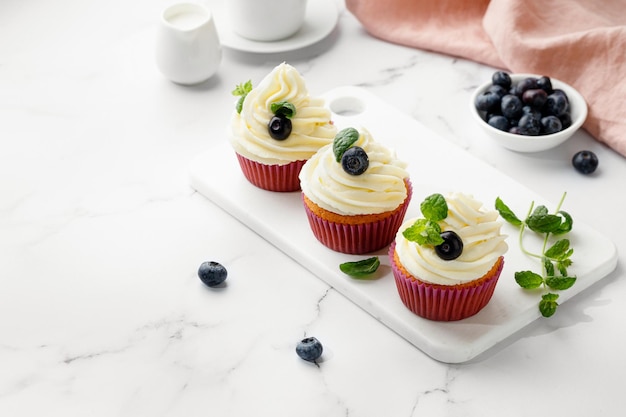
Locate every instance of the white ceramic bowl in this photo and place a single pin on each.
(522, 143)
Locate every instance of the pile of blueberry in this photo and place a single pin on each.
(530, 107)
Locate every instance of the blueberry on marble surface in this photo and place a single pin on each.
(310, 349)
(212, 273)
(585, 162)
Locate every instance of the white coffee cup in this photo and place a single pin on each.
(188, 49)
(266, 20)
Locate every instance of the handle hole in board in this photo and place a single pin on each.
(347, 106)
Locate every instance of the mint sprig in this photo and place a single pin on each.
(343, 140)
(555, 255)
(434, 207)
(427, 231)
(283, 108)
(362, 268)
(242, 91)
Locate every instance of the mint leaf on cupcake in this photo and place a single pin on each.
(283, 108)
(434, 207)
(343, 140)
(424, 232)
(427, 231)
(242, 91)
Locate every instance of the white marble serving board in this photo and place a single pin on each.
(435, 165)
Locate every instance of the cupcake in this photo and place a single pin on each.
(447, 264)
(276, 127)
(355, 193)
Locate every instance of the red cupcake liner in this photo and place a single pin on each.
(281, 178)
(443, 302)
(358, 239)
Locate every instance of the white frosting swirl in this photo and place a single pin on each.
(483, 244)
(379, 189)
(311, 125)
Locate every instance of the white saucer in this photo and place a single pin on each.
(321, 18)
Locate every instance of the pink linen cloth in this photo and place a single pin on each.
(580, 42)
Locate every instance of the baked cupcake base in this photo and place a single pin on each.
(281, 178)
(357, 234)
(444, 302)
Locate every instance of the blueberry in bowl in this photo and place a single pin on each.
(528, 112)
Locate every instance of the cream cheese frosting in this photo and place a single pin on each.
(483, 244)
(379, 189)
(311, 125)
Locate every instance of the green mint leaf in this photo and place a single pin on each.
(434, 207)
(543, 223)
(424, 232)
(241, 90)
(239, 104)
(433, 232)
(540, 211)
(506, 213)
(548, 266)
(528, 279)
(283, 108)
(360, 268)
(548, 304)
(562, 265)
(559, 250)
(566, 225)
(343, 140)
(560, 283)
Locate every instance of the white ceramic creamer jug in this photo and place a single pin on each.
(188, 50)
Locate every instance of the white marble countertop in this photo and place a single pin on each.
(101, 235)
